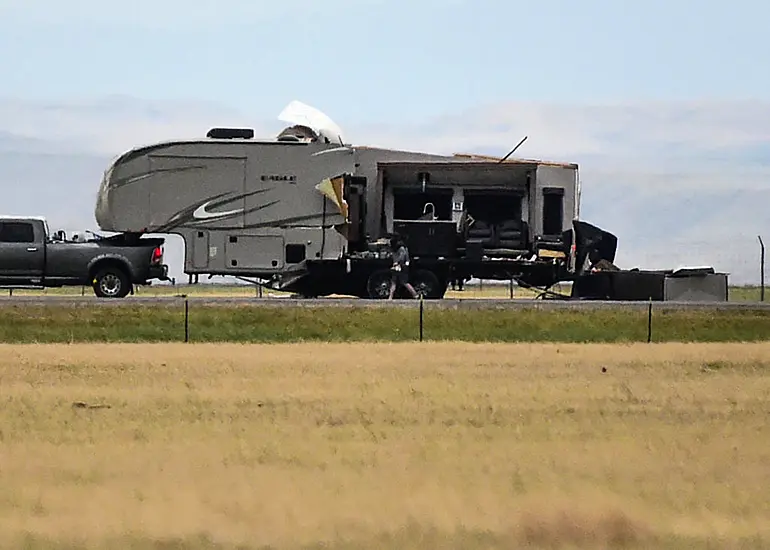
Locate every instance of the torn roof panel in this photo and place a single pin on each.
(474, 156)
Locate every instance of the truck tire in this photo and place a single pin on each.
(111, 282)
(426, 282)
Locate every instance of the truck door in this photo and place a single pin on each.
(22, 255)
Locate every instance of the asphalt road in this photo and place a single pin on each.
(462, 304)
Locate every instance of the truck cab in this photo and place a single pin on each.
(22, 250)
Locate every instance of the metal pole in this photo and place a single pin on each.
(649, 322)
(186, 320)
(761, 270)
(422, 316)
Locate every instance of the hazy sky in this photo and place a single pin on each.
(373, 60)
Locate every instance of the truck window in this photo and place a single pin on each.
(16, 232)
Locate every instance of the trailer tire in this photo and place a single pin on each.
(378, 284)
(111, 282)
(426, 283)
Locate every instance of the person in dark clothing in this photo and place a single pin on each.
(400, 268)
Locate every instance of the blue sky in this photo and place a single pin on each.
(384, 61)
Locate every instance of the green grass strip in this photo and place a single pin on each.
(207, 323)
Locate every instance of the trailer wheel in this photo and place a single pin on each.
(111, 282)
(426, 283)
(378, 284)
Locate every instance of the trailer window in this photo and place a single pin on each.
(414, 205)
(295, 253)
(494, 207)
(16, 232)
(553, 211)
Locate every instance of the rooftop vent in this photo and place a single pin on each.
(230, 133)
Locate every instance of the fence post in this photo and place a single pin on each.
(186, 320)
(510, 287)
(761, 270)
(649, 322)
(422, 316)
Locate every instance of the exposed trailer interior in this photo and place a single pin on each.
(307, 213)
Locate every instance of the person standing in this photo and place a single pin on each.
(400, 268)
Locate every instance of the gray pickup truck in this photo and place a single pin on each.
(32, 258)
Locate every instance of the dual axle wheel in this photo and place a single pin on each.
(424, 281)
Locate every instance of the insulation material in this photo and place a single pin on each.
(332, 188)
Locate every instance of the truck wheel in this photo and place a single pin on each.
(111, 282)
(427, 284)
(378, 284)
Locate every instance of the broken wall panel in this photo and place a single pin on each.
(555, 190)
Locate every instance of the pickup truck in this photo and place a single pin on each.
(32, 258)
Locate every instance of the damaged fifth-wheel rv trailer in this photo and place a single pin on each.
(309, 213)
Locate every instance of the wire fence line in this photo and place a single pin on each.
(474, 290)
(649, 307)
(496, 303)
(239, 319)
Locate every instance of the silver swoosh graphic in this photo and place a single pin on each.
(201, 213)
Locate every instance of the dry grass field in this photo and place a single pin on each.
(384, 446)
